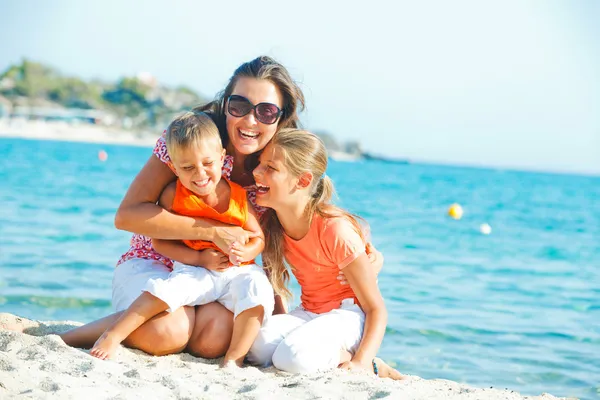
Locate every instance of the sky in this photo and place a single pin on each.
(506, 84)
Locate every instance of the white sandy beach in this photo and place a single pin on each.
(35, 363)
(74, 133)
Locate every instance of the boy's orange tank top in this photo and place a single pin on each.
(190, 204)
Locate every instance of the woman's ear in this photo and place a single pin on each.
(305, 180)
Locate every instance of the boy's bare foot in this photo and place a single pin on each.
(232, 364)
(385, 371)
(105, 347)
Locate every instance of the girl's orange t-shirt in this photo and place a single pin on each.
(329, 246)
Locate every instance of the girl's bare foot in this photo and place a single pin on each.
(385, 371)
(105, 347)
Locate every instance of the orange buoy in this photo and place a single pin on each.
(102, 155)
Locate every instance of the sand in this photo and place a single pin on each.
(35, 363)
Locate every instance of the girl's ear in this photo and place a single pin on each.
(170, 164)
(305, 180)
(223, 155)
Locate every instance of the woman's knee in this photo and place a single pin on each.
(212, 331)
(168, 333)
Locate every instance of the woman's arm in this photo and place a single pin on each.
(362, 279)
(176, 250)
(375, 258)
(139, 213)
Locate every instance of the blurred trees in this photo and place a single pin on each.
(142, 101)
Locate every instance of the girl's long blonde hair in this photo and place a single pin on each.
(302, 152)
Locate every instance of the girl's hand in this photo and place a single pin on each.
(213, 260)
(357, 365)
(375, 258)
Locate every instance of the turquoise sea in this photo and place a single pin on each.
(517, 309)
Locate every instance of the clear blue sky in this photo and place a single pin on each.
(507, 83)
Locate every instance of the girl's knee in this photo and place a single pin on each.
(292, 358)
(261, 352)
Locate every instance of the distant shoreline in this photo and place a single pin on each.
(61, 131)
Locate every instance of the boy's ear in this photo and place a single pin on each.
(305, 180)
(170, 164)
(223, 155)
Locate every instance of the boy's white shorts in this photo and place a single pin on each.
(237, 288)
(131, 277)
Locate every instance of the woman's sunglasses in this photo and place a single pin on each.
(267, 113)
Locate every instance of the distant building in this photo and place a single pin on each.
(5, 107)
(71, 115)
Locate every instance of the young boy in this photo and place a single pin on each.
(197, 155)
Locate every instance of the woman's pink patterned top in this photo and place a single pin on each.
(141, 246)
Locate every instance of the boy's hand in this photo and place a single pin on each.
(213, 260)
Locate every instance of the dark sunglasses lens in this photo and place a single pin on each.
(267, 113)
(238, 106)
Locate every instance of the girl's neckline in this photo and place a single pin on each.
(314, 221)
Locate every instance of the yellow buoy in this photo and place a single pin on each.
(455, 211)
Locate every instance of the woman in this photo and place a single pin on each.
(259, 99)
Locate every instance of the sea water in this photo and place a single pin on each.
(518, 308)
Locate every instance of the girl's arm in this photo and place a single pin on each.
(362, 279)
(139, 213)
(246, 252)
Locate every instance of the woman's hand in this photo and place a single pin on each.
(375, 258)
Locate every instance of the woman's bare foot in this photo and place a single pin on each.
(385, 371)
(105, 347)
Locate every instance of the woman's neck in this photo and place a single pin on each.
(295, 220)
(239, 174)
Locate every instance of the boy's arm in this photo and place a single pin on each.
(238, 252)
(173, 249)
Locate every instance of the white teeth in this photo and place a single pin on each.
(201, 183)
(249, 134)
(261, 188)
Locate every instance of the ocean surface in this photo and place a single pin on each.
(517, 309)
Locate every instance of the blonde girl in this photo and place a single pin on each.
(335, 325)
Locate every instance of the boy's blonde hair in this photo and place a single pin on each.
(191, 129)
(302, 152)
